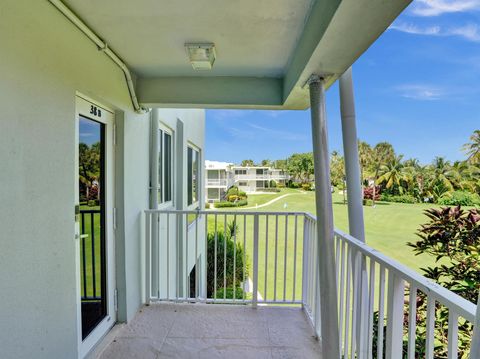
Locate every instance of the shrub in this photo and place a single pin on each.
(307, 186)
(92, 203)
(280, 185)
(368, 193)
(229, 292)
(222, 243)
(226, 204)
(452, 237)
(459, 198)
(291, 184)
(404, 198)
(272, 184)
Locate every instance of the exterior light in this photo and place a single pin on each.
(201, 56)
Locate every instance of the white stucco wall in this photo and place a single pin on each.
(44, 61)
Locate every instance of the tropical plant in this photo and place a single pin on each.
(222, 252)
(472, 148)
(247, 163)
(300, 165)
(392, 175)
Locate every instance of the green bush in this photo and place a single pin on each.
(291, 184)
(92, 203)
(270, 190)
(460, 198)
(226, 204)
(272, 184)
(229, 293)
(307, 186)
(280, 185)
(222, 244)
(404, 198)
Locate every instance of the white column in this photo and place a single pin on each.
(355, 199)
(325, 234)
(475, 349)
(352, 163)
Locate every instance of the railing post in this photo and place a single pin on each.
(306, 239)
(255, 261)
(148, 282)
(396, 300)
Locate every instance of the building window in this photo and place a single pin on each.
(193, 174)
(240, 172)
(242, 184)
(165, 166)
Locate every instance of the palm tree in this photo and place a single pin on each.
(393, 174)
(473, 148)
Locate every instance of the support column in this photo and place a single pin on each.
(355, 206)
(323, 200)
(352, 163)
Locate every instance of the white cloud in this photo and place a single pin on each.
(420, 92)
(439, 7)
(469, 32)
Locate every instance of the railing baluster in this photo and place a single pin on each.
(430, 327)
(348, 295)
(355, 302)
(225, 257)
(305, 251)
(453, 335)
(381, 314)
(371, 299)
(255, 261)
(158, 255)
(266, 258)
(215, 260)
(92, 242)
(285, 259)
(295, 258)
(412, 321)
(396, 292)
(205, 261)
(276, 252)
(234, 257)
(196, 256)
(168, 256)
(177, 256)
(187, 272)
(148, 267)
(244, 253)
(342, 291)
(84, 260)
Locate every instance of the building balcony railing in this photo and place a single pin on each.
(264, 177)
(380, 302)
(222, 182)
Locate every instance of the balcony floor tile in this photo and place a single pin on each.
(168, 330)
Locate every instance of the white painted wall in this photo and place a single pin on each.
(44, 61)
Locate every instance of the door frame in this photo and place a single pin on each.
(88, 108)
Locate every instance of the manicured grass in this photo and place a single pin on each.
(389, 226)
(262, 198)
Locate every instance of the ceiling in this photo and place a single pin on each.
(266, 50)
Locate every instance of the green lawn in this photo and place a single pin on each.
(389, 226)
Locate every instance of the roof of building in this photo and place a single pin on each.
(216, 165)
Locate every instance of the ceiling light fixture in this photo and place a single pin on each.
(201, 55)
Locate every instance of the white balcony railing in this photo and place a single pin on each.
(261, 177)
(217, 182)
(277, 264)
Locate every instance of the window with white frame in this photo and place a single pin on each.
(165, 165)
(193, 174)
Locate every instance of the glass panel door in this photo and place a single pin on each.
(91, 185)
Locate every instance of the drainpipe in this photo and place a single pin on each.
(325, 232)
(102, 46)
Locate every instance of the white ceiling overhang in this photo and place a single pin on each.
(266, 50)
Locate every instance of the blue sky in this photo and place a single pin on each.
(417, 86)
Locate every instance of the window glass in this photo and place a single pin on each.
(167, 170)
(165, 167)
(192, 175)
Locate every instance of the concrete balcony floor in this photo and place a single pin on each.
(168, 330)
